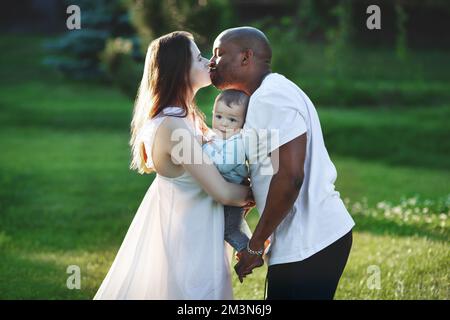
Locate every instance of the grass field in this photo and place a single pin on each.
(67, 196)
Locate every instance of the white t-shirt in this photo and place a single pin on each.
(318, 217)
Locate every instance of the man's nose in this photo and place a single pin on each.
(212, 62)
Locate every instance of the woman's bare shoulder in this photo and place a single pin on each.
(173, 123)
(170, 126)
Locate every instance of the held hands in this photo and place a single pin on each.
(248, 260)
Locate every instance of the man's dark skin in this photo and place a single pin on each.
(241, 61)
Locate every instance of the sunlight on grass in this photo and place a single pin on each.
(410, 268)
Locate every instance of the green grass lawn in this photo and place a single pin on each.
(67, 196)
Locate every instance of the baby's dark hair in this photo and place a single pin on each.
(232, 96)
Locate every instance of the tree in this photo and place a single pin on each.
(204, 19)
(77, 52)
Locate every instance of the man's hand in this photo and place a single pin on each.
(247, 262)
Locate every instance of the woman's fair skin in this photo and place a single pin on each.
(204, 172)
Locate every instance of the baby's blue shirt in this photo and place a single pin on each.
(229, 157)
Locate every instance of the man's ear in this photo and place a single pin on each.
(247, 56)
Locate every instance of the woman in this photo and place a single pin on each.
(174, 248)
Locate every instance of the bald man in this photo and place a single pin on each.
(308, 225)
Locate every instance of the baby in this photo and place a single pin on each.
(227, 151)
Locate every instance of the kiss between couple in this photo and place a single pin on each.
(179, 243)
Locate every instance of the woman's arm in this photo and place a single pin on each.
(187, 151)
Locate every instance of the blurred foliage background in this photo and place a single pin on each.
(66, 96)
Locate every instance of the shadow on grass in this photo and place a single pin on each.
(28, 278)
(408, 145)
(67, 120)
(46, 213)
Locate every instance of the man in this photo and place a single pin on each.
(309, 226)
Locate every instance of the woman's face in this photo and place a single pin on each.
(199, 69)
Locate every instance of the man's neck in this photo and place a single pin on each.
(254, 85)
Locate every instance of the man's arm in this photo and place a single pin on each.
(283, 190)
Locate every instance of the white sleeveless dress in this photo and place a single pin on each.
(174, 248)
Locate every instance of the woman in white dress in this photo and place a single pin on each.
(174, 248)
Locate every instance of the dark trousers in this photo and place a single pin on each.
(316, 277)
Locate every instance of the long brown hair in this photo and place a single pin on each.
(165, 82)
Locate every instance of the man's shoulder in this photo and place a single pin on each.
(279, 92)
(275, 87)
